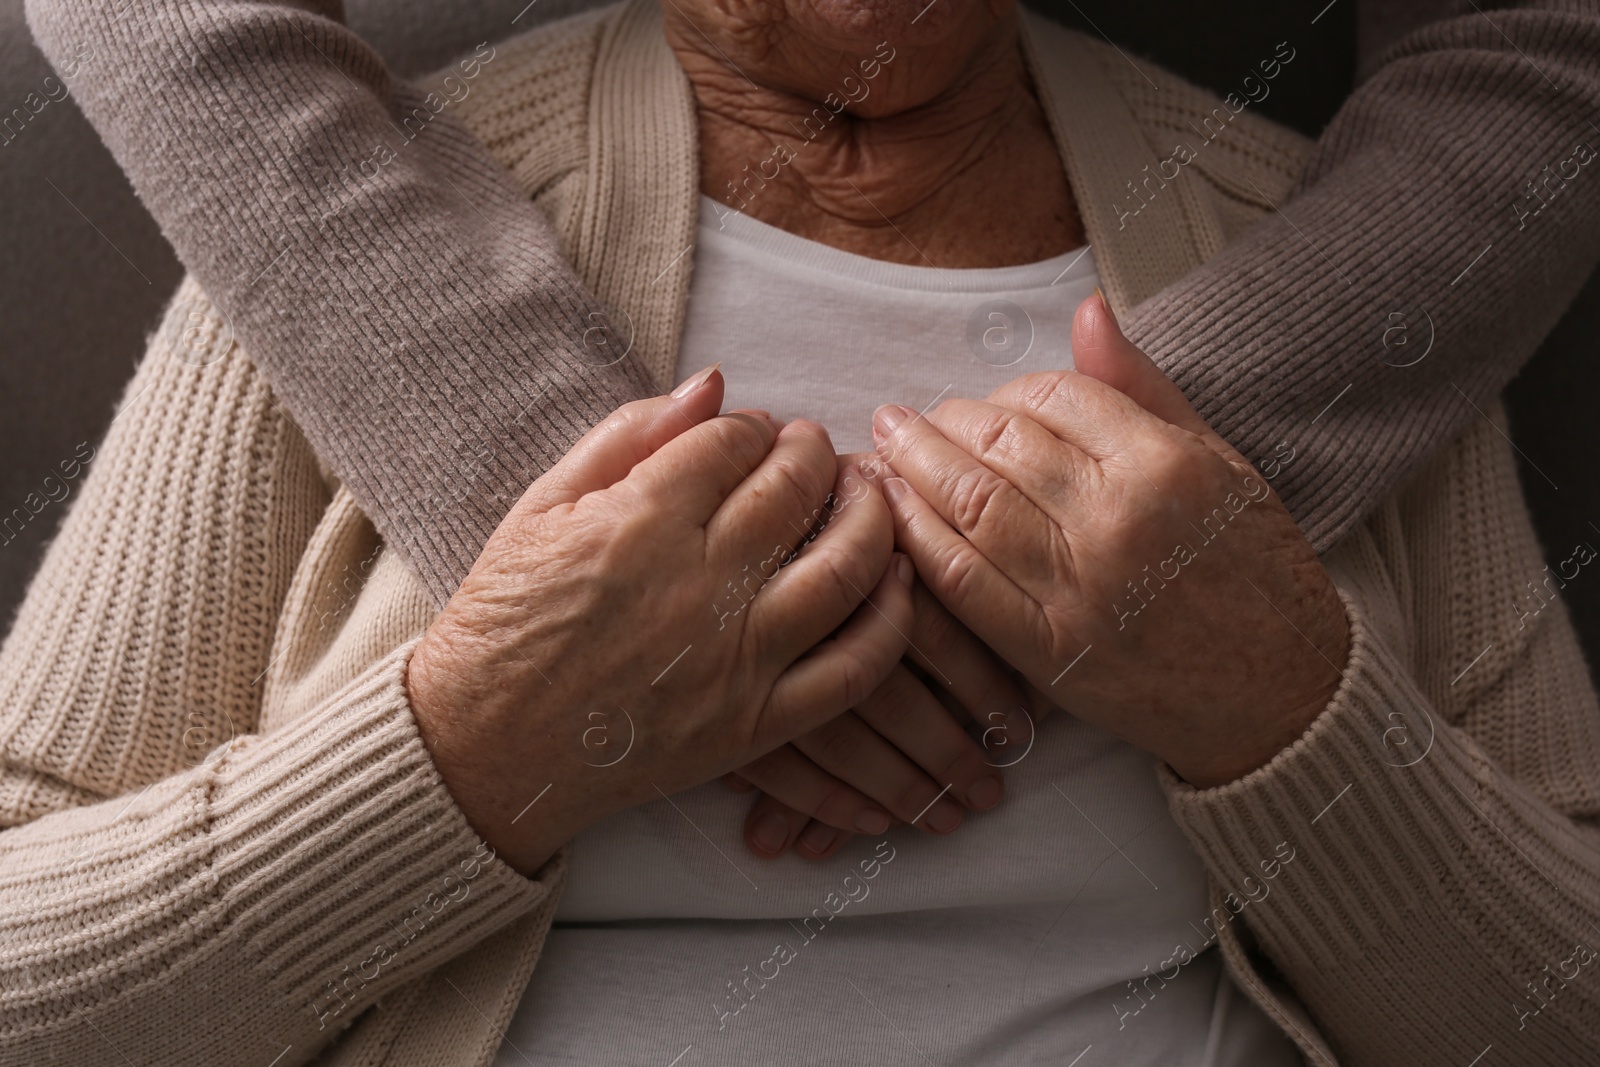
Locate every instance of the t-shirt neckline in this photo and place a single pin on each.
(768, 240)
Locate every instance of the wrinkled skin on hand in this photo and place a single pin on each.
(1099, 536)
(599, 593)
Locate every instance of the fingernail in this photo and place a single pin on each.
(771, 833)
(691, 384)
(903, 569)
(819, 837)
(887, 419)
(895, 489)
(1107, 305)
(985, 794)
(944, 817)
(765, 416)
(872, 822)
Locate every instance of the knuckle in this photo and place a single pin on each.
(857, 678)
(766, 802)
(741, 436)
(809, 441)
(994, 431)
(840, 589)
(813, 436)
(961, 570)
(974, 497)
(1042, 389)
(804, 486)
(783, 801)
(1053, 635)
(618, 541)
(635, 411)
(781, 706)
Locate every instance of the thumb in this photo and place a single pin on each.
(631, 434)
(1100, 351)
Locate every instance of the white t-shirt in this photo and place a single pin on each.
(803, 329)
(1033, 934)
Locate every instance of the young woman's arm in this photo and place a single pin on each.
(1452, 202)
(250, 129)
(409, 306)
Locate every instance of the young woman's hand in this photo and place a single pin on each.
(599, 604)
(1095, 532)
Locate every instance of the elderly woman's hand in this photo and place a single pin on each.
(1131, 564)
(903, 750)
(599, 601)
(900, 756)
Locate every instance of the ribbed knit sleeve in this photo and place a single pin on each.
(1423, 865)
(402, 295)
(176, 887)
(409, 308)
(1414, 225)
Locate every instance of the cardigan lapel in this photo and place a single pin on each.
(1103, 149)
(640, 205)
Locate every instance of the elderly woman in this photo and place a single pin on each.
(1280, 778)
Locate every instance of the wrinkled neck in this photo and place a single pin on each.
(868, 152)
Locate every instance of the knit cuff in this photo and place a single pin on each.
(350, 866)
(1382, 848)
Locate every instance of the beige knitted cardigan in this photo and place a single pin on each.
(226, 842)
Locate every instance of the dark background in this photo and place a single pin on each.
(85, 272)
(1217, 44)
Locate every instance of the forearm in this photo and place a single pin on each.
(396, 287)
(277, 890)
(1415, 178)
(1405, 217)
(1416, 896)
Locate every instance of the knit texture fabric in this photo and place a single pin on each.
(226, 840)
(412, 311)
(348, 199)
(214, 853)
